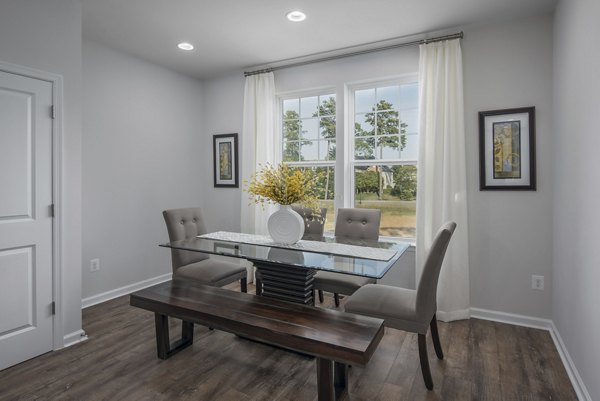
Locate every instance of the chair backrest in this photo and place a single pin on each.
(427, 289)
(358, 224)
(312, 227)
(184, 224)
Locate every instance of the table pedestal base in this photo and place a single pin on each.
(285, 282)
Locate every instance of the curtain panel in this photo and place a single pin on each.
(442, 178)
(257, 143)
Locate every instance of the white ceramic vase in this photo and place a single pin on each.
(285, 226)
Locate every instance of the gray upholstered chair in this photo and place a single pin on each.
(187, 265)
(312, 227)
(409, 310)
(351, 224)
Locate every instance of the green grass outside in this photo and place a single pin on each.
(398, 218)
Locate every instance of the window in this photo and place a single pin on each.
(379, 168)
(384, 157)
(309, 142)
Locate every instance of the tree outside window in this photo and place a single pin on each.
(385, 156)
(383, 163)
(309, 142)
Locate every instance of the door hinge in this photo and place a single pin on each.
(51, 207)
(53, 307)
(52, 112)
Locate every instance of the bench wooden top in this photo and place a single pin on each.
(324, 333)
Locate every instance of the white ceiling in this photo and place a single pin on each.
(233, 34)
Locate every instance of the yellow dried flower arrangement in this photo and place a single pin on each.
(284, 185)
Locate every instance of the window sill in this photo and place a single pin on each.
(411, 241)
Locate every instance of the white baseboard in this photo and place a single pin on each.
(511, 318)
(128, 289)
(74, 338)
(544, 324)
(578, 385)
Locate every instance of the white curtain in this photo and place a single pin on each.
(442, 179)
(258, 144)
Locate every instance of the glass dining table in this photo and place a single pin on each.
(288, 273)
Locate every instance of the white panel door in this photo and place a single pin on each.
(25, 218)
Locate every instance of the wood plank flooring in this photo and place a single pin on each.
(483, 361)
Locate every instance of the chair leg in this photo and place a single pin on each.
(244, 284)
(336, 297)
(425, 362)
(321, 296)
(435, 337)
(258, 283)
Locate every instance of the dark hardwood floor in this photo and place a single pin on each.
(483, 361)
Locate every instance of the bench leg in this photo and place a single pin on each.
(332, 379)
(340, 379)
(163, 347)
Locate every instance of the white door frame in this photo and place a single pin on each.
(57, 136)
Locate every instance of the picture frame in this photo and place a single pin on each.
(507, 149)
(225, 161)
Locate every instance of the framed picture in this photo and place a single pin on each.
(507, 149)
(225, 158)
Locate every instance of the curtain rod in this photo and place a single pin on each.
(356, 53)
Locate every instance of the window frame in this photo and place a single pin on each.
(349, 161)
(327, 90)
(344, 164)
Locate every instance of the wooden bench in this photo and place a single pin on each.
(335, 338)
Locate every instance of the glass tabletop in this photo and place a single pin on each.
(299, 258)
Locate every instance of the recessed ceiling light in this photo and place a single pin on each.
(185, 46)
(296, 16)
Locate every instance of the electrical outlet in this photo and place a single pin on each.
(94, 265)
(537, 282)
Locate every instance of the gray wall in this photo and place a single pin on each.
(510, 65)
(46, 35)
(224, 98)
(576, 169)
(505, 65)
(223, 111)
(142, 153)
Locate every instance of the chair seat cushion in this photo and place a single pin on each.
(397, 306)
(211, 272)
(340, 283)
